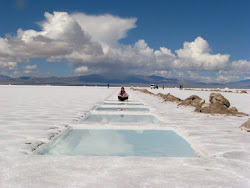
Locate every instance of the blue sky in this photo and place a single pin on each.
(197, 40)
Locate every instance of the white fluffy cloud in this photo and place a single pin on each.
(235, 71)
(196, 56)
(30, 67)
(91, 44)
(106, 29)
(8, 65)
(81, 70)
(60, 36)
(242, 66)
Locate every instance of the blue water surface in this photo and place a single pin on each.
(121, 109)
(123, 143)
(121, 118)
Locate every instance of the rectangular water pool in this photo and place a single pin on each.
(121, 109)
(121, 118)
(121, 103)
(143, 143)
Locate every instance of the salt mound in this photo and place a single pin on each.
(193, 100)
(246, 126)
(218, 105)
(170, 98)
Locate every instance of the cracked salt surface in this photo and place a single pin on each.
(225, 149)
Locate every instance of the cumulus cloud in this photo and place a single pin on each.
(84, 40)
(8, 65)
(81, 70)
(106, 29)
(60, 36)
(30, 67)
(91, 44)
(234, 71)
(226, 78)
(242, 66)
(196, 56)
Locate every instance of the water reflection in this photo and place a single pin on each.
(121, 118)
(106, 142)
(148, 143)
(125, 103)
(92, 142)
(121, 109)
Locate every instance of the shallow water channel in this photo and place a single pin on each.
(111, 142)
(143, 143)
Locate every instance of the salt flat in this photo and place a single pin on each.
(31, 116)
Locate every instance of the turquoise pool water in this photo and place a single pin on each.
(121, 109)
(121, 118)
(121, 103)
(143, 143)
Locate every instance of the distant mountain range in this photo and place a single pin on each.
(135, 80)
(240, 84)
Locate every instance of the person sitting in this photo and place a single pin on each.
(122, 95)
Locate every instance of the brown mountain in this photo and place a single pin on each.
(135, 80)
